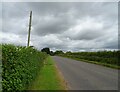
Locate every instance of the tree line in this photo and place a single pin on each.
(47, 50)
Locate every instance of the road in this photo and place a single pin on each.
(85, 76)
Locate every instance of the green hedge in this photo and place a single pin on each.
(20, 66)
(106, 57)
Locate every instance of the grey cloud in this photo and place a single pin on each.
(89, 35)
(111, 44)
(46, 8)
(52, 25)
(53, 21)
(14, 10)
(15, 26)
(15, 18)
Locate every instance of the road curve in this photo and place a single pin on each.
(85, 76)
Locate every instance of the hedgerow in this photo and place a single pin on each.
(103, 57)
(20, 66)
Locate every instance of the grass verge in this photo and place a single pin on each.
(95, 62)
(48, 78)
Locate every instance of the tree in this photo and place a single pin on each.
(51, 53)
(58, 52)
(47, 50)
(68, 53)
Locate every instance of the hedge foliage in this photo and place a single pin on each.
(106, 57)
(20, 66)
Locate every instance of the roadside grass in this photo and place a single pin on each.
(95, 62)
(48, 78)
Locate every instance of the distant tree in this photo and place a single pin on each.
(47, 50)
(58, 52)
(69, 52)
(51, 53)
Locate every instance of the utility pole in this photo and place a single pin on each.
(29, 29)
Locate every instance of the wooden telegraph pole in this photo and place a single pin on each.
(29, 29)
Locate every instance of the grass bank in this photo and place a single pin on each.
(48, 78)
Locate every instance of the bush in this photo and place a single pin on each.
(20, 66)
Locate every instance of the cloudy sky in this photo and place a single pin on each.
(67, 26)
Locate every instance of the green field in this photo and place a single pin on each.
(48, 78)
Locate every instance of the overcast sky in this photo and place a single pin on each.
(81, 26)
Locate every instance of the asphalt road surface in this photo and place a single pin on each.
(85, 76)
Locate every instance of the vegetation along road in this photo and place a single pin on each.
(85, 76)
